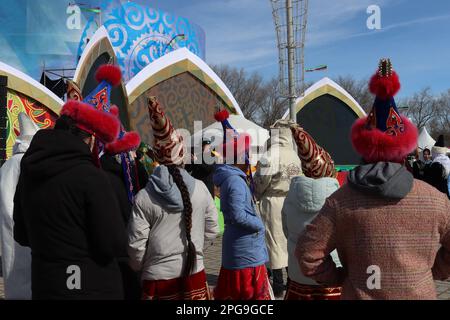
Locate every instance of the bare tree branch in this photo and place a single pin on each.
(358, 89)
(421, 108)
(261, 102)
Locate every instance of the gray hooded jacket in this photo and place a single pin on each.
(385, 179)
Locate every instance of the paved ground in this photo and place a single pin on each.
(213, 254)
(213, 261)
(443, 289)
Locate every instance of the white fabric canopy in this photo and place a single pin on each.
(425, 140)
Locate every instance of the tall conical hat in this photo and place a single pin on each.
(234, 143)
(73, 91)
(108, 76)
(384, 135)
(316, 161)
(167, 144)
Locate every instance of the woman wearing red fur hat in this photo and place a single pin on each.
(65, 209)
(392, 232)
(171, 219)
(243, 275)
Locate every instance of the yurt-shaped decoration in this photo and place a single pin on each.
(185, 85)
(100, 51)
(21, 93)
(327, 112)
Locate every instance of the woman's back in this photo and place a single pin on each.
(243, 242)
(157, 234)
(305, 199)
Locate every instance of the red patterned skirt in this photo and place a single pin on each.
(195, 287)
(243, 284)
(297, 291)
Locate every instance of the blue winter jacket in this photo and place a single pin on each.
(243, 243)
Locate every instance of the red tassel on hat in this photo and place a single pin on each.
(114, 110)
(222, 115)
(110, 73)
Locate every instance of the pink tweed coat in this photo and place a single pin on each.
(389, 248)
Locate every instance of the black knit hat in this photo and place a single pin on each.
(439, 147)
(440, 141)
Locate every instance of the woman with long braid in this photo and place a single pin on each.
(187, 217)
(171, 219)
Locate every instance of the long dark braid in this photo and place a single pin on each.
(187, 215)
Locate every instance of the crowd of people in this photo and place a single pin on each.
(434, 167)
(82, 219)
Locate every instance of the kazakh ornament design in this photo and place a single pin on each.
(289, 171)
(316, 162)
(185, 99)
(168, 144)
(99, 99)
(140, 35)
(394, 123)
(16, 103)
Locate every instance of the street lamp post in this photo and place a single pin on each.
(291, 59)
(171, 40)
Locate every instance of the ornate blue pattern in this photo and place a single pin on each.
(141, 35)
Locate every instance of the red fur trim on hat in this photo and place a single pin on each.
(375, 145)
(104, 125)
(239, 146)
(114, 110)
(110, 73)
(221, 115)
(384, 87)
(129, 141)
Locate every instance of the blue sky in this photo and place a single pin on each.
(415, 34)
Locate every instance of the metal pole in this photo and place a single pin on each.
(171, 40)
(291, 59)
